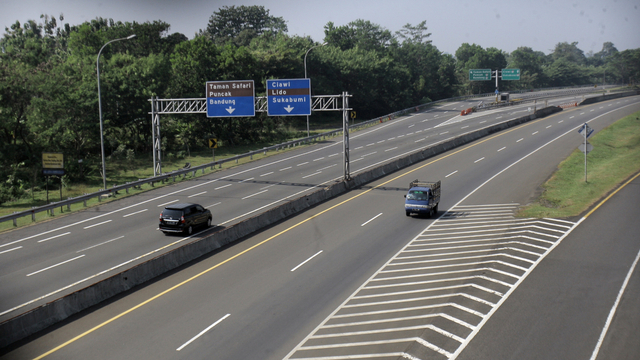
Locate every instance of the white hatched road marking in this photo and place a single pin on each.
(437, 292)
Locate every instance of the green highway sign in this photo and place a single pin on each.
(510, 74)
(479, 74)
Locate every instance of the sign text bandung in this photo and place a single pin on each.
(289, 97)
(230, 98)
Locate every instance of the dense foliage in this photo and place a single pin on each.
(48, 81)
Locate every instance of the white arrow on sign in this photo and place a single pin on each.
(288, 108)
(230, 110)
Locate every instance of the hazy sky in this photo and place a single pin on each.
(505, 25)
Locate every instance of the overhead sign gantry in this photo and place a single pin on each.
(488, 74)
(230, 98)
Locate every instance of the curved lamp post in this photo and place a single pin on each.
(104, 173)
(305, 74)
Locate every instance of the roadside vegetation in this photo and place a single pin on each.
(614, 159)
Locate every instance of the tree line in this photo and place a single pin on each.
(48, 81)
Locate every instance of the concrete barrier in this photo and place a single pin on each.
(40, 318)
(601, 98)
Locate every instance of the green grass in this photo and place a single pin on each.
(615, 158)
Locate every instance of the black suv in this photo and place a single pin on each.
(183, 218)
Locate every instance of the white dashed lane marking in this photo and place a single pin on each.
(431, 298)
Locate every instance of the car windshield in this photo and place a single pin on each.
(171, 213)
(417, 195)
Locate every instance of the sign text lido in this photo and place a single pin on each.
(289, 97)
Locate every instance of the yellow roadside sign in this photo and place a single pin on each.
(52, 161)
(213, 143)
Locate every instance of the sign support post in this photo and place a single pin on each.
(585, 147)
(585, 152)
(345, 135)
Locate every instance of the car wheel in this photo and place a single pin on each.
(431, 212)
(408, 213)
(190, 230)
(209, 222)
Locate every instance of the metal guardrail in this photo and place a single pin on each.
(183, 172)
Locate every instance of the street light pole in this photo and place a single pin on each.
(305, 74)
(104, 173)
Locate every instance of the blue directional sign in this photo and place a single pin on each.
(289, 97)
(230, 98)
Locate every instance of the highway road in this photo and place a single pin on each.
(356, 277)
(43, 262)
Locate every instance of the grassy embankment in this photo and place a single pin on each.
(615, 157)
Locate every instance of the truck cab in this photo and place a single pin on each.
(423, 198)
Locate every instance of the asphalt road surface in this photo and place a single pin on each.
(354, 277)
(48, 260)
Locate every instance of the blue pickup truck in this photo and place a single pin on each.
(423, 198)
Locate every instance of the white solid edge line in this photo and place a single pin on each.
(202, 332)
(304, 262)
(614, 308)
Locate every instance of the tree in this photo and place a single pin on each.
(475, 57)
(29, 51)
(570, 52)
(564, 72)
(376, 83)
(624, 67)
(530, 64)
(415, 34)
(359, 33)
(241, 24)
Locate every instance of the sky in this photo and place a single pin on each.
(505, 25)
